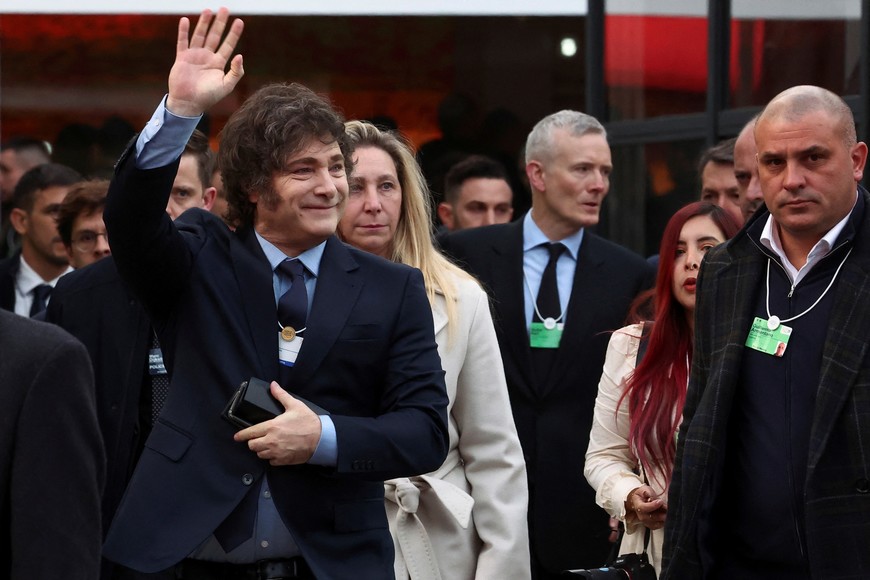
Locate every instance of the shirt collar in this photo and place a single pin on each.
(533, 237)
(310, 258)
(27, 278)
(770, 237)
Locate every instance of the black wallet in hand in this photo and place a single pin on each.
(253, 403)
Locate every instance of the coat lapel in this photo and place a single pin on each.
(255, 286)
(587, 289)
(506, 273)
(745, 272)
(846, 345)
(339, 284)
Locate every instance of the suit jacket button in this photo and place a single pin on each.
(862, 485)
(247, 479)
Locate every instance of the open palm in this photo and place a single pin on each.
(197, 79)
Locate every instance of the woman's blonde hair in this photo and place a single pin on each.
(412, 244)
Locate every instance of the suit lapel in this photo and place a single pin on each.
(587, 289)
(255, 285)
(439, 313)
(339, 284)
(745, 273)
(845, 347)
(506, 273)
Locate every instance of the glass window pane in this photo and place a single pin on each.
(82, 69)
(655, 65)
(649, 183)
(777, 44)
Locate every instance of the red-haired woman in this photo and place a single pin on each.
(632, 443)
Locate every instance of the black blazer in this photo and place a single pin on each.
(8, 271)
(369, 357)
(52, 465)
(567, 529)
(837, 485)
(94, 305)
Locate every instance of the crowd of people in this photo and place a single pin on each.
(507, 396)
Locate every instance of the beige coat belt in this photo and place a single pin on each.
(414, 544)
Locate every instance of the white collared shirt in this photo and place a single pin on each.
(535, 258)
(26, 280)
(770, 238)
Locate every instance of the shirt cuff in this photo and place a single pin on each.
(163, 139)
(326, 453)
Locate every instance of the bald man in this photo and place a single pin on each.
(746, 170)
(772, 474)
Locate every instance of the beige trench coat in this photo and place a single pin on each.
(468, 519)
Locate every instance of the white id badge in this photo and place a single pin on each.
(288, 350)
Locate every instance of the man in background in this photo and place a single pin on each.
(476, 193)
(131, 369)
(80, 223)
(718, 184)
(51, 456)
(557, 290)
(17, 156)
(27, 277)
(746, 170)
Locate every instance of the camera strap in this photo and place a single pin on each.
(646, 328)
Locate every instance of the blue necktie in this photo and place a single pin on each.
(293, 304)
(40, 296)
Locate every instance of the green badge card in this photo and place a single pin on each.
(542, 337)
(769, 341)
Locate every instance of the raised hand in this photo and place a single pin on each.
(197, 79)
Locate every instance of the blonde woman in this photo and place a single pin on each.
(468, 518)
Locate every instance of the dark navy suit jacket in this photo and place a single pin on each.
(8, 271)
(369, 357)
(94, 305)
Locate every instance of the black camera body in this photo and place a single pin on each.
(625, 567)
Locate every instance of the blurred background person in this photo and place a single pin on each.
(557, 290)
(746, 170)
(637, 411)
(80, 223)
(131, 374)
(51, 455)
(219, 206)
(17, 156)
(471, 513)
(27, 277)
(476, 193)
(718, 183)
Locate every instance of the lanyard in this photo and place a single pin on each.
(774, 321)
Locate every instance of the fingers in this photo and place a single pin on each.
(653, 518)
(213, 35)
(183, 31)
(252, 432)
(228, 46)
(285, 398)
(201, 30)
(236, 72)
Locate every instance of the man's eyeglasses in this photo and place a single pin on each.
(86, 241)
